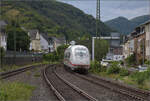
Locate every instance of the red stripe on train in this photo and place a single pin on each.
(76, 64)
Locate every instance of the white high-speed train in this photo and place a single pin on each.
(77, 57)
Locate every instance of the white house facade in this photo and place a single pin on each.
(35, 44)
(131, 46)
(44, 43)
(3, 40)
(126, 51)
(3, 35)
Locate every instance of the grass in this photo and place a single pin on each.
(8, 68)
(47, 62)
(13, 67)
(28, 72)
(113, 76)
(37, 74)
(130, 81)
(138, 79)
(15, 91)
(127, 80)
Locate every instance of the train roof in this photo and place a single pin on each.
(75, 46)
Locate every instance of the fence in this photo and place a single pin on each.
(21, 58)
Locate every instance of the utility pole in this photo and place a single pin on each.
(97, 16)
(15, 25)
(97, 25)
(93, 47)
(15, 46)
(0, 57)
(93, 44)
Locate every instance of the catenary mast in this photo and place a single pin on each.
(97, 25)
(97, 16)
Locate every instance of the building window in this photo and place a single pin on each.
(3, 38)
(148, 28)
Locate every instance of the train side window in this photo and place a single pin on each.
(68, 55)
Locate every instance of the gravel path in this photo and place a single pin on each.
(35, 77)
(102, 94)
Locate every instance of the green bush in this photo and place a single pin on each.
(2, 52)
(103, 68)
(60, 51)
(121, 62)
(140, 77)
(51, 57)
(57, 55)
(95, 67)
(123, 72)
(113, 69)
(130, 60)
(101, 48)
(147, 62)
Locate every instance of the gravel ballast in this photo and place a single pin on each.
(96, 91)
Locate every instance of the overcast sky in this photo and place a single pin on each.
(113, 8)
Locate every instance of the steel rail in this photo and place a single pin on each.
(119, 90)
(56, 92)
(15, 72)
(59, 96)
(76, 88)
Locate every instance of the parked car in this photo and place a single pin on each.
(142, 68)
(104, 63)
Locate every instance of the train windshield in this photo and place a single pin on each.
(81, 52)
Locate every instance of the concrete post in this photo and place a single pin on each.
(93, 43)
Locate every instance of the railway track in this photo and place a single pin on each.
(64, 90)
(116, 87)
(15, 72)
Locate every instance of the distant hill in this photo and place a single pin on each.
(52, 17)
(141, 19)
(125, 26)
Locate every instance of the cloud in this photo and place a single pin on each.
(113, 8)
(125, 9)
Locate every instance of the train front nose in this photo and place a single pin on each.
(81, 57)
(83, 63)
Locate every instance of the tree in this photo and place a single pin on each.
(60, 51)
(22, 39)
(131, 60)
(57, 55)
(101, 46)
(85, 40)
(52, 17)
(2, 54)
(101, 49)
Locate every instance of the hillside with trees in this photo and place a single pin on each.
(125, 26)
(14, 32)
(52, 17)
